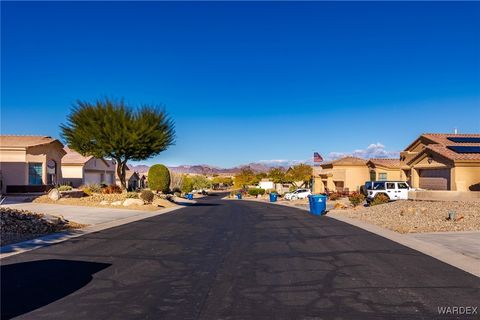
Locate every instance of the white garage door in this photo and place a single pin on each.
(92, 177)
(435, 179)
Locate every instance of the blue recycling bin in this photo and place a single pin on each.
(273, 197)
(190, 196)
(239, 196)
(318, 204)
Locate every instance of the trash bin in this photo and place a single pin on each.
(273, 197)
(190, 196)
(239, 196)
(318, 204)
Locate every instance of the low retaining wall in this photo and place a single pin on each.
(432, 195)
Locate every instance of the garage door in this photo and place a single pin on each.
(435, 179)
(92, 177)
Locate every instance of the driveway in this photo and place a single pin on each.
(466, 243)
(232, 260)
(80, 214)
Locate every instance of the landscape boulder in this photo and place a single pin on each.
(131, 201)
(116, 203)
(54, 194)
(104, 203)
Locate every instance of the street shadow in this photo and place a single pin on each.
(200, 204)
(28, 286)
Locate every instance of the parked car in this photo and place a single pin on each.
(298, 194)
(394, 190)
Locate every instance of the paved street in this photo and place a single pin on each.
(232, 260)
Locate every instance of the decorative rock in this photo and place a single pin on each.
(116, 203)
(131, 201)
(54, 194)
(104, 202)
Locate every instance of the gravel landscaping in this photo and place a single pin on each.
(410, 216)
(20, 225)
(115, 200)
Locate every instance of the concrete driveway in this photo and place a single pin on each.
(80, 214)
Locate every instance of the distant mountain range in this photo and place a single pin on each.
(208, 170)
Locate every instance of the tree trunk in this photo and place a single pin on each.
(121, 168)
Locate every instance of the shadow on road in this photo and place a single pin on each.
(31, 285)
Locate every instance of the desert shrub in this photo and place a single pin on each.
(87, 191)
(64, 187)
(94, 187)
(379, 199)
(334, 196)
(187, 184)
(256, 191)
(113, 188)
(147, 196)
(159, 178)
(356, 198)
(132, 195)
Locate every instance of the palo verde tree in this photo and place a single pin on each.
(301, 172)
(113, 129)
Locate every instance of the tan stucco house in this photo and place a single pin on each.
(30, 163)
(78, 170)
(383, 169)
(439, 161)
(343, 175)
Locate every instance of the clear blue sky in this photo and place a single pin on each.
(249, 81)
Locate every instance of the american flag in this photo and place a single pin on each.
(317, 157)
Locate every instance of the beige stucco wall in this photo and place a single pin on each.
(44, 153)
(356, 176)
(464, 176)
(392, 174)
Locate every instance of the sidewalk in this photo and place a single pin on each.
(97, 218)
(459, 249)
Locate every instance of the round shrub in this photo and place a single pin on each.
(356, 198)
(64, 187)
(147, 196)
(380, 198)
(159, 178)
(113, 188)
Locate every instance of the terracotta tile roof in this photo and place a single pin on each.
(440, 144)
(386, 162)
(73, 157)
(442, 138)
(25, 141)
(345, 161)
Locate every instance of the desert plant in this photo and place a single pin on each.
(356, 198)
(256, 191)
(114, 129)
(132, 195)
(94, 187)
(113, 188)
(159, 178)
(335, 196)
(147, 196)
(379, 199)
(64, 187)
(87, 191)
(187, 184)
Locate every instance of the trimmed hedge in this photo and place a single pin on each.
(159, 178)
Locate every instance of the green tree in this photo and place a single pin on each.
(159, 178)
(277, 175)
(301, 172)
(187, 184)
(113, 129)
(245, 177)
(201, 182)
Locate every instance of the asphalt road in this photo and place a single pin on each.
(232, 260)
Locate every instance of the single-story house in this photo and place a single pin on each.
(347, 174)
(30, 163)
(442, 161)
(78, 170)
(132, 179)
(383, 169)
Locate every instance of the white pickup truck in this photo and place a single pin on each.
(394, 190)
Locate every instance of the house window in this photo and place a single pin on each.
(35, 173)
(382, 176)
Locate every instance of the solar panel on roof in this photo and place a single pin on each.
(464, 139)
(465, 149)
